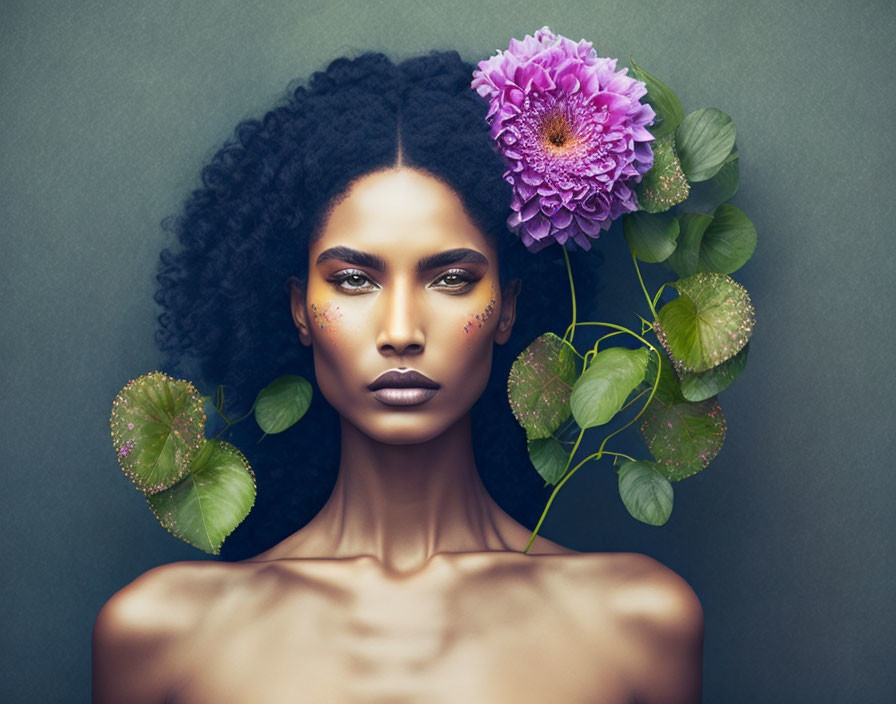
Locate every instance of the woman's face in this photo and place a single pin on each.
(401, 279)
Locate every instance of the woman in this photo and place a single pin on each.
(370, 209)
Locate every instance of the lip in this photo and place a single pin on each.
(408, 396)
(394, 379)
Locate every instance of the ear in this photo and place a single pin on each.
(298, 309)
(508, 311)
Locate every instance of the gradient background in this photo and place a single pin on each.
(109, 110)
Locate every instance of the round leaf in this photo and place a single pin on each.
(665, 184)
(704, 140)
(601, 390)
(664, 102)
(728, 242)
(549, 457)
(686, 257)
(710, 321)
(703, 385)
(204, 507)
(539, 385)
(157, 424)
(646, 493)
(706, 196)
(683, 437)
(651, 237)
(282, 403)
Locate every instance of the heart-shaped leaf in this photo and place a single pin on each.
(704, 140)
(157, 425)
(646, 493)
(204, 507)
(683, 437)
(650, 237)
(710, 321)
(703, 385)
(686, 257)
(603, 387)
(729, 241)
(665, 184)
(706, 196)
(282, 403)
(540, 383)
(549, 457)
(723, 242)
(664, 102)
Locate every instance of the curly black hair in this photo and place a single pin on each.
(225, 308)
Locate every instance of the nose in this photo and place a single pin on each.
(400, 330)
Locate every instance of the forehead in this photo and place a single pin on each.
(398, 214)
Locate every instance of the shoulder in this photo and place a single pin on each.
(647, 592)
(137, 630)
(659, 620)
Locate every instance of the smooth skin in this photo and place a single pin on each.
(410, 585)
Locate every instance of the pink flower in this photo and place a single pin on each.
(573, 133)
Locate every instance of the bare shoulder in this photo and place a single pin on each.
(659, 622)
(646, 591)
(137, 631)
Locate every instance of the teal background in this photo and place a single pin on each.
(109, 110)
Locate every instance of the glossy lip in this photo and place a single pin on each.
(410, 396)
(395, 379)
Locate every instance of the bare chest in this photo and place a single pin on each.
(482, 637)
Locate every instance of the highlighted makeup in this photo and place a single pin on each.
(479, 319)
(324, 316)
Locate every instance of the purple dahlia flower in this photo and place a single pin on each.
(573, 133)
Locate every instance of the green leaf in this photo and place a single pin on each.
(722, 242)
(664, 102)
(540, 383)
(646, 493)
(703, 385)
(665, 184)
(710, 321)
(668, 390)
(650, 237)
(704, 140)
(216, 495)
(549, 457)
(157, 424)
(706, 196)
(685, 260)
(728, 242)
(603, 387)
(282, 403)
(683, 437)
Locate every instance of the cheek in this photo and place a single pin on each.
(326, 316)
(477, 322)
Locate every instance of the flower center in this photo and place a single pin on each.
(556, 133)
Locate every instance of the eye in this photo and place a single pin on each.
(456, 280)
(352, 281)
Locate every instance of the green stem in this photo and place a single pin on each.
(604, 337)
(643, 287)
(600, 450)
(633, 400)
(554, 493)
(572, 290)
(230, 423)
(658, 294)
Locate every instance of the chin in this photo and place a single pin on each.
(403, 428)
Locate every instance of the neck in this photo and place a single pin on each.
(405, 503)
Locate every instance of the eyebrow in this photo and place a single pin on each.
(377, 263)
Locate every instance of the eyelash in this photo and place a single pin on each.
(466, 280)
